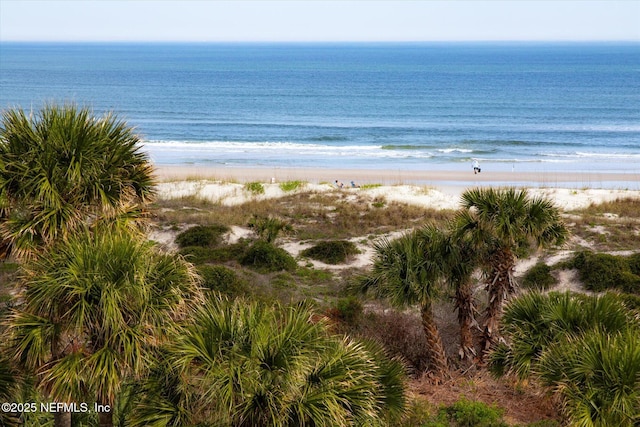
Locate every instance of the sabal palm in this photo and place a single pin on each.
(534, 321)
(457, 260)
(585, 348)
(269, 228)
(241, 363)
(503, 223)
(405, 273)
(92, 308)
(597, 375)
(63, 168)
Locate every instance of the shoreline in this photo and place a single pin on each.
(438, 190)
(436, 178)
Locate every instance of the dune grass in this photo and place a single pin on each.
(312, 215)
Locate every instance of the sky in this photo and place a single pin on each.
(290, 21)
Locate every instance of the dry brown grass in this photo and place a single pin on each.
(313, 215)
(627, 208)
(610, 226)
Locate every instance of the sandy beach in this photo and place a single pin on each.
(438, 189)
(436, 178)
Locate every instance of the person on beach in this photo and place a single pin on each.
(354, 185)
(339, 184)
(476, 166)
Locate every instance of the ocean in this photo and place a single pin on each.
(401, 106)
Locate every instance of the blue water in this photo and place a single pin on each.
(522, 106)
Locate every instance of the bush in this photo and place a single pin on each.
(205, 236)
(634, 263)
(539, 277)
(254, 187)
(266, 257)
(331, 252)
(226, 253)
(467, 413)
(291, 185)
(400, 333)
(221, 279)
(600, 272)
(347, 310)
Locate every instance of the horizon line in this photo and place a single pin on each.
(329, 41)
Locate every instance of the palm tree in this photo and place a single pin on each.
(502, 224)
(404, 273)
(457, 260)
(268, 228)
(63, 168)
(241, 363)
(585, 348)
(93, 306)
(597, 376)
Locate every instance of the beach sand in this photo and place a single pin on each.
(392, 177)
(436, 189)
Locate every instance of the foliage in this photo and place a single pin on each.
(585, 348)
(224, 253)
(347, 310)
(534, 321)
(92, 308)
(202, 235)
(331, 251)
(504, 224)
(634, 264)
(62, 169)
(254, 188)
(221, 279)
(539, 277)
(598, 376)
(405, 273)
(600, 272)
(291, 185)
(401, 334)
(264, 256)
(245, 364)
(268, 228)
(466, 413)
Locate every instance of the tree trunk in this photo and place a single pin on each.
(466, 309)
(105, 415)
(499, 289)
(62, 419)
(437, 356)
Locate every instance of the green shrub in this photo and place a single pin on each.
(634, 263)
(266, 257)
(544, 423)
(205, 236)
(226, 253)
(221, 279)
(539, 277)
(254, 187)
(196, 254)
(467, 413)
(331, 252)
(291, 185)
(347, 310)
(600, 272)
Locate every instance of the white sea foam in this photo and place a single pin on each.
(455, 150)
